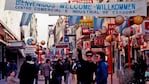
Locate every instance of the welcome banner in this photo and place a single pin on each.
(87, 9)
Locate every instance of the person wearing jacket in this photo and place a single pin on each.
(46, 71)
(11, 78)
(58, 72)
(102, 68)
(85, 68)
(27, 71)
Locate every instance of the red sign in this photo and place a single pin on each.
(61, 46)
(99, 41)
(111, 28)
(85, 31)
(147, 26)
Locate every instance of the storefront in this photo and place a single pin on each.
(8, 50)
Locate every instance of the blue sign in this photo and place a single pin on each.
(66, 39)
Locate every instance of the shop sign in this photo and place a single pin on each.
(79, 9)
(98, 42)
(66, 39)
(61, 45)
(145, 27)
(111, 27)
(85, 31)
(30, 50)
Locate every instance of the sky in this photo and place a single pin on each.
(43, 20)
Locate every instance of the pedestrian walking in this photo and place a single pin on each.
(11, 78)
(102, 68)
(37, 69)
(46, 69)
(66, 66)
(28, 71)
(58, 72)
(85, 68)
(72, 76)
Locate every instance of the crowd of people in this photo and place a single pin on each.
(79, 69)
(84, 71)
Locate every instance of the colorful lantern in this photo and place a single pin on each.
(129, 31)
(42, 42)
(109, 38)
(119, 20)
(138, 20)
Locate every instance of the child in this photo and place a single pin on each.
(11, 78)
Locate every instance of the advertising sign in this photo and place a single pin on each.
(98, 42)
(79, 9)
(30, 50)
(145, 27)
(85, 31)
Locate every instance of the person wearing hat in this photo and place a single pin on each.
(85, 68)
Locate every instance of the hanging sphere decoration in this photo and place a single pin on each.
(42, 42)
(119, 20)
(138, 20)
(33, 43)
(109, 38)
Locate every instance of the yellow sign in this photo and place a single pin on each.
(87, 22)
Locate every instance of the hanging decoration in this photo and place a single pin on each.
(138, 20)
(119, 20)
(109, 38)
(42, 42)
(33, 43)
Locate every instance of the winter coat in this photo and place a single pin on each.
(27, 72)
(85, 69)
(46, 69)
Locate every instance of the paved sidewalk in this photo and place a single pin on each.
(115, 80)
(4, 82)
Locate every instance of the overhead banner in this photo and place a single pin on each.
(80, 9)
